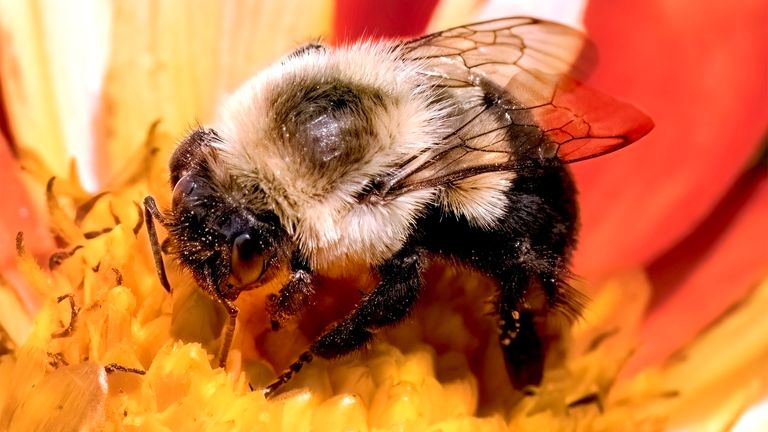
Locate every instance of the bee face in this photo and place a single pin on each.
(226, 243)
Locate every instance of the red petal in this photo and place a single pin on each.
(386, 19)
(699, 72)
(18, 212)
(708, 272)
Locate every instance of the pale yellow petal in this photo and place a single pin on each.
(450, 13)
(726, 369)
(341, 413)
(256, 33)
(74, 400)
(171, 61)
(51, 63)
(569, 12)
(754, 419)
(15, 318)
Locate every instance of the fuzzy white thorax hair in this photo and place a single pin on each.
(320, 209)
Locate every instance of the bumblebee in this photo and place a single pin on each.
(381, 156)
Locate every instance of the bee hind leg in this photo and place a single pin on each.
(388, 303)
(529, 306)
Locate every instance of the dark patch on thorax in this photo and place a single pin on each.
(326, 124)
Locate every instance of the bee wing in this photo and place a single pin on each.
(548, 114)
(501, 48)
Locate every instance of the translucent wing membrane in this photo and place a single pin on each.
(521, 102)
(499, 49)
(585, 123)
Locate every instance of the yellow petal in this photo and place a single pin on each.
(74, 399)
(341, 413)
(171, 62)
(51, 64)
(15, 319)
(725, 370)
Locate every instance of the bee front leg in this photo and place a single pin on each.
(206, 282)
(388, 303)
(229, 330)
(151, 212)
(294, 297)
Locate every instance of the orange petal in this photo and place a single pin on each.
(709, 272)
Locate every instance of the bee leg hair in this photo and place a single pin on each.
(293, 297)
(520, 343)
(388, 303)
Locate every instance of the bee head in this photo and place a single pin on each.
(228, 245)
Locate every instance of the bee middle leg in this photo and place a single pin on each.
(388, 303)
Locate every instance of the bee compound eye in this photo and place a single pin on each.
(248, 260)
(244, 247)
(183, 189)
